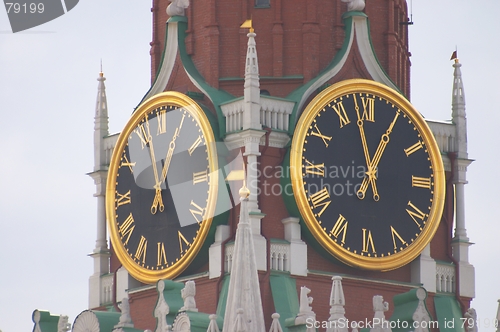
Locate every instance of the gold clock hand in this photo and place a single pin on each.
(170, 152)
(158, 200)
(384, 140)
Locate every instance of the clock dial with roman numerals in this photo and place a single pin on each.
(162, 187)
(367, 175)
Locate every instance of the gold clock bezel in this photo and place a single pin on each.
(311, 111)
(179, 100)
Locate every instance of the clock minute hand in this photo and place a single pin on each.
(170, 152)
(364, 185)
(384, 140)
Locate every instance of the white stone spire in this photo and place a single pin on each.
(101, 253)
(460, 162)
(337, 311)
(458, 110)
(101, 130)
(244, 304)
(101, 120)
(251, 113)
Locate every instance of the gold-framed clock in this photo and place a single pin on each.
(367, 175)
(162, 187)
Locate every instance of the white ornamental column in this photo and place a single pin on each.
(101, 253)
(460, 243)
(251, 135)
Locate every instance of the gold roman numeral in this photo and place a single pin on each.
(182, 239)
(320, 198)
(127, 163)
(415, 213)
(394, 236)
(161, 116)
(140, 253)
(162, 257)
(368, 109)
(194, 146)
(200, 177)
(340, 110)
(123, 199)
(142, 132)
(412, 149)
(318, 169)
(325, 138)
(127, 228)
(368, 241)
(197, 212)
(340, 226)
(420, 182)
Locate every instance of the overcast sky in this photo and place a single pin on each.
(48, 90)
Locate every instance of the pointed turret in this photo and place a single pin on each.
(101, 253)
(251, 112)
(244, 304)
(337, 311)
(101, 121)
(460, 162)
(458, 111)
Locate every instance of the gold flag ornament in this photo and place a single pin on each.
(247, 25)
(454, 55)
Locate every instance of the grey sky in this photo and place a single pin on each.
(48, 89)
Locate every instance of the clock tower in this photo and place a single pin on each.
(348, 195)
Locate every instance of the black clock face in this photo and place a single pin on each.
(162, 191)
(368, 177)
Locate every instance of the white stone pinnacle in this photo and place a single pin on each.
(244, 304)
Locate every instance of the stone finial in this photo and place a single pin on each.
(306, 314)
(379, 322)
(470, 323)
(188, 293)
(213, 327)
(162, 309)
(421, 315)
(62, 324)
(275, 325)
(177, 7)
(337, 311)
(355, 5)
(305, 301)
(239, 324)
(125, 319)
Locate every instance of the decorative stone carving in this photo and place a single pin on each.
(162, 309)
(239, 324)
(379, 307)
(62, 324)
(275, 325)
(421, 315)
(177, 7)
(306, 314)
(305, 302)
(125, 319)
(188, 293)
(355, 5)
(213, 327)
(337, 319)
(470, 323)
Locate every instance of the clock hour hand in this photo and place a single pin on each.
(372, 168)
